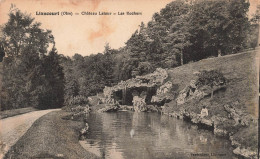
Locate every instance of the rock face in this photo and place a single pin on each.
(165, 88)
(154, 79)
(139, 104)
(133, 89)
(163, 94)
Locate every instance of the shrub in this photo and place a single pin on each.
(211, 78)
(77, 100)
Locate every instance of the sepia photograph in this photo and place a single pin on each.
(129, 79)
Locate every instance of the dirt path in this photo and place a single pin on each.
(11, 129)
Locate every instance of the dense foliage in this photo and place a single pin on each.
(182, 32)
(32, 75)
(212, 78)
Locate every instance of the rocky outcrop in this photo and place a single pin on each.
(190, 92)
(165, 88)
(154, 79)
(146, 82)
(163, 94)
(139, 104)
(197, 89)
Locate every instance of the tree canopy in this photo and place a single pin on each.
(182, 32)
(30, 70)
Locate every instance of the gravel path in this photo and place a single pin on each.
(12, 128)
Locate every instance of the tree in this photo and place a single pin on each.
(107, 49)
(179, 36)
(170, 28)
(2, 52)
(253, 36)
(219, 26)
(52, 96)
(25, 45)
(211, 78)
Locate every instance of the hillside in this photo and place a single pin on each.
(239, 69)
(233, 111)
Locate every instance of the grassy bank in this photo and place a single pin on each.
(51, 137)
(239, 69)
(14, 112)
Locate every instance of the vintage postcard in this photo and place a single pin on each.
(129, 79)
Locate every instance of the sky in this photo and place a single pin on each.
(88, 34)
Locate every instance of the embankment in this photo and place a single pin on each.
(51, 136)
(233, 111)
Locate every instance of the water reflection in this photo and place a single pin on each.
(126, 135)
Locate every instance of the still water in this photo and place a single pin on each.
(132, 135)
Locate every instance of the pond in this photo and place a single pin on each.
(132, 135)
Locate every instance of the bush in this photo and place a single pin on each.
(77, 100)
(212, 78)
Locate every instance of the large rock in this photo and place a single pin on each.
(163, 94)
(165, 88)
(156, 78)
(153, 80)
(139, 104)
(161, 99)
